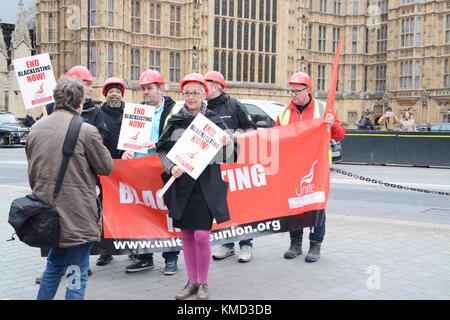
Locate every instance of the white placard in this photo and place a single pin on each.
(136, 127)
(36, 80)
(197, 146)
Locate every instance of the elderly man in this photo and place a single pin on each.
(80, 214)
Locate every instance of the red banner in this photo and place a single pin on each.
(281, 172)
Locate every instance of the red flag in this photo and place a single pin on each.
(334, 76)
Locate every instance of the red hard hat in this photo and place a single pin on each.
(194, 77)
(301, 78)
(80, 73)
(111, 81)
(216, 76)
(151, 76)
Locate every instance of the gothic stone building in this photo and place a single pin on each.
(394, 53)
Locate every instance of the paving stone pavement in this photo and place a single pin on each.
(412, 260)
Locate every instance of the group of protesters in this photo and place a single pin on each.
(193, 204)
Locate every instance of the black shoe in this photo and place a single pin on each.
(140, 265)
(104, 259)
(89, 272)
(314, 252)
(294, 250)
(171, 267)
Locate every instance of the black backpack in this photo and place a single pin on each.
(37, 223)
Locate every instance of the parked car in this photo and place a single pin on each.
(435, 127)
(11, 130)
(264, 114)
(440, 127)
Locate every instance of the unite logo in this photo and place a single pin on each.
(307, 194)
(39, 93)
(307, 180)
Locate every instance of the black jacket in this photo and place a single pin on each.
(232, 112)
(113, 120)
(365, 124)
(212, 185)
(91, 114)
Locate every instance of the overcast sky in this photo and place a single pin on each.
(8, 13)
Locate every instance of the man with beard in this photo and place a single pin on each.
(152, 84)
(113, 89)
(91, 113)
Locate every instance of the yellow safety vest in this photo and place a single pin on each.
(319, 110)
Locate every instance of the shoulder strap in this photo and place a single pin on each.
(68, 148)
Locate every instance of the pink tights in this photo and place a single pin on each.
(197, 254)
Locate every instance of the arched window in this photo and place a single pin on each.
(260, 68)
(224, 7)
(252, 38)
(261, 10)
(231, 34)
(254, 9)
(267, 49)
(273, 73)
(246, 9)
(245, 71)
(238, 66)
(252, 68)
(216, 32)
(274, 11)
(230, 66)
(217, 7)
(267, 10)
(224, 33)
(231, 11)
(266, 69)
(246, 34)
(274, 39)
(223, 62)
(216, 60)
(239, 9)
(239, 35)
(261, 37)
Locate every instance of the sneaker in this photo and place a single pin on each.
(314, 252)
(222, 253)
(189, 290)
(202, 293)
(104, 259)
(171, 267)
(132, 257)
(295, 249)
(245, 255)
(140, 265)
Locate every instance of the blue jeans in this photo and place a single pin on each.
(74, 261)
(317, 235)
(246, 242)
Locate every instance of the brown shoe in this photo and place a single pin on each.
(202, 293)
(189, 290)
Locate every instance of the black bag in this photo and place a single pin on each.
(37, 223)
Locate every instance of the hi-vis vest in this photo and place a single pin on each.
(319, 110)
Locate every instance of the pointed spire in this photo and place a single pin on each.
(21, 31)
(2, 42)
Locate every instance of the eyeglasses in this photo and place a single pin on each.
(296, 91)
(193, 94)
